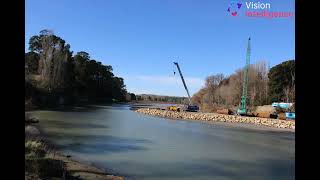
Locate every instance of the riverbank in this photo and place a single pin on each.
(42, 160)
(214, 117)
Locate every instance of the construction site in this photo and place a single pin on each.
(277, 114)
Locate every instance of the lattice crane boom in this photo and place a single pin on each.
(242, 110)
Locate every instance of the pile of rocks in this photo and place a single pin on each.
(218, 117)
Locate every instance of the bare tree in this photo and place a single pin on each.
(212, 83)
(226, 91)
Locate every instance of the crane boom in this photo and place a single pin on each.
(184, 83)
(243, 109)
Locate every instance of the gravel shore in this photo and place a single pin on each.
(214, 117)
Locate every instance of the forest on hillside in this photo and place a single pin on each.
(53, 75)
(264, 87)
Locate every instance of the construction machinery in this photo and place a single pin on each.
(242, 110)
(189, 107)
(174, 108)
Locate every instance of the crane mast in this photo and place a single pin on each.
(242, 110)
(184, 83)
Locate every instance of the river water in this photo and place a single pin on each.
(152, 148)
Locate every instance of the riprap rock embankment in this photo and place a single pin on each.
(277, 123)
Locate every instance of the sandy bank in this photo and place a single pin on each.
(74, 168)
(83, 171)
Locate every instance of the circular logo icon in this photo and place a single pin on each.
(234, 7)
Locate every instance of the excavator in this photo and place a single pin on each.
(189, 107)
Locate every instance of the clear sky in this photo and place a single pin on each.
(141, 38)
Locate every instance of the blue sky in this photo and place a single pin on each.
(141, 38)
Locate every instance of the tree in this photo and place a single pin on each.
(53, 61)
(220, 91)
(32, 62)
(36, 43)
(80, 61)
(133, 97)
(212, 83)
(61, 75)
(282, 81)
(258, 80)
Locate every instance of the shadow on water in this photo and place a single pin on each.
(219, 168)
(80, 108)
(56, 123)
(285, 135)
(99, 143)
(87, 108)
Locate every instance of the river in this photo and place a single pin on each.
(151, 148)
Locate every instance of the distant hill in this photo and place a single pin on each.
(161, 98)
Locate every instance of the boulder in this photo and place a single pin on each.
(31, 131)
(266, 109)
(263, 114)
(282, 116)
(224, 111)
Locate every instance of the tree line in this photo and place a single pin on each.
(53, 75)
(158, 98)
(264, 87)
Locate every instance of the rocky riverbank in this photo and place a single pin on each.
(214, 117)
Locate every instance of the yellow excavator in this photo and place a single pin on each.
(173, 108)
